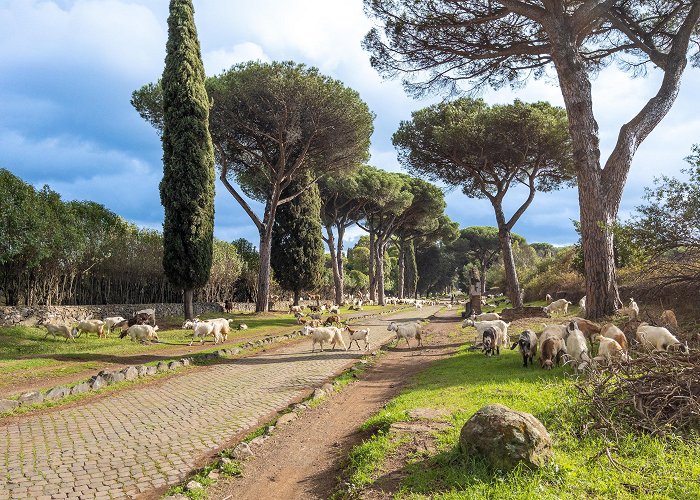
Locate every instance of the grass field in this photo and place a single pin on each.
(643, 467)
(27, 357)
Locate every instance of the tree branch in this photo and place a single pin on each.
(241, 201)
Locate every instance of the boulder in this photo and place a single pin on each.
(319, 393)
(504, 438)
(151, 370)
(57, 393)
(8, 404)
(80, 388)
(286, 418)
(162, 366)
(242, 451)
(142, 370)
(186, 361)
(114, 377)
(174, 365)
(130, 373)
(194, 485)
(328, 388)
(30, 398)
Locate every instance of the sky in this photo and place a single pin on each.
(68, 68)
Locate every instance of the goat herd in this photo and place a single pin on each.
(574, 341)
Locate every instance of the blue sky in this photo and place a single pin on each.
(68, 67)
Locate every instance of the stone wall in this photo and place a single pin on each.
(31, 315)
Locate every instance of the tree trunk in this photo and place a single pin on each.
(402, 270)
(512, 284)
(380, 274)
(411, 271)
(482, 270)
(263, 296)
(189, 307)
(337, 280)
(340, 294)
(296, 297)
(372, 267)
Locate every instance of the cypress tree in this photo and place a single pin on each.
(297, 243)
(187, 188)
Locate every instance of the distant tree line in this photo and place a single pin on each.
(78, 252)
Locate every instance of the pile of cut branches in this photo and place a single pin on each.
(655, 393)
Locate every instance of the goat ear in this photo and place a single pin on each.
(513, 346)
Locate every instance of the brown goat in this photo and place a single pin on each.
(333, 319)
(588, 328)
(610, 331)
(551, 353)
(668, 318)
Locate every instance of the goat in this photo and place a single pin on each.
(89, 326)
(407, 331)
(112, 321)
(357, 335)
(486, 316)
(552, 351)
(228, 306)
(576, 346)
(658, 338)
(148, 314)
(480, 326)
(334, 309)
(56, 330)
(589, 328)
(488, 341)
(295, 309)
(143, 333)
(668, 318)
(328, 334)
(203, 329)
(610, 331)
(608, 350)
(582, 304)
(632, 310)
(242, 326)
(528, 346)
(558, 306)
(548, 298)
(222, 327)
(331, 320)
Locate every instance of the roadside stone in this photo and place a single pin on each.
(142, 370)
(114, 377)
(151, 370)
(328, 388)
(8, 404)
(270, 429)
(258, 440)
(57, 393)
(505, 437)
(80, 388)
(174, 365)
(162, 366)
(319, 393)
(242, 451)
(186, 361)
(194, 485)
(286, 418)
(235, 351)
(213, 475)
(226, 461)
(98, 383)
(130, 373)
(30, 398)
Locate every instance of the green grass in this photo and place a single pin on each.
(648, 467)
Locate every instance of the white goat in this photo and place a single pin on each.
(558, 306)
(632, 310)
(548, 298)
(203, 329)
(611, 331)
(356, 336)
(334, 309)
(608, 350)
(222, 327)
(111, 321)
(143, 333)
(481, 326)
(576, 346)
(582, 304)
(56, 330)
(407, 331)
(322, 334)
(658, 338)
(89, 326)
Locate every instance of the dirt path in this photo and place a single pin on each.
(116, 362)
(304, 458)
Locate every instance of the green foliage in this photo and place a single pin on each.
(356, 281)
(557, 273)
(297, 245)
(627, 250)
(187, 188)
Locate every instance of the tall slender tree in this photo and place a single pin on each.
(297, 244)
(187, 188)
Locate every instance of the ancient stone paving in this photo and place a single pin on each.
(148, 437)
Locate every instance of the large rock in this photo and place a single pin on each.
(130, 373)
(30, 398)
(58, 393)
(505, 438)
(8, 404)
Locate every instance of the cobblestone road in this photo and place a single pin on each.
(148, 437)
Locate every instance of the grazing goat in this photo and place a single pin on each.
(407, 331)
(632, 310)
(56, 330)
(528, 346)
(332, 320)
(582, 304)
(328, 334)
(228, 306)
(242, 326)
(658, 338)
(486, 317)
(558, 306)
(608, 350)
(576, 346)
(89, 326)
(498, 324)
(148, 314)
(419, 304)
(357, 335)
(143, 333)
(112, 321)
(610, 331)
(668, 318)
(203, 329)
(589, 328)
(548, 298)
(551, 331)
(552, 351)
(489, 342)
(295, 309)
(334, 309)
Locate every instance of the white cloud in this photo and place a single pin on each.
(219, 60)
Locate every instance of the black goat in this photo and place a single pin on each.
(528, 346)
